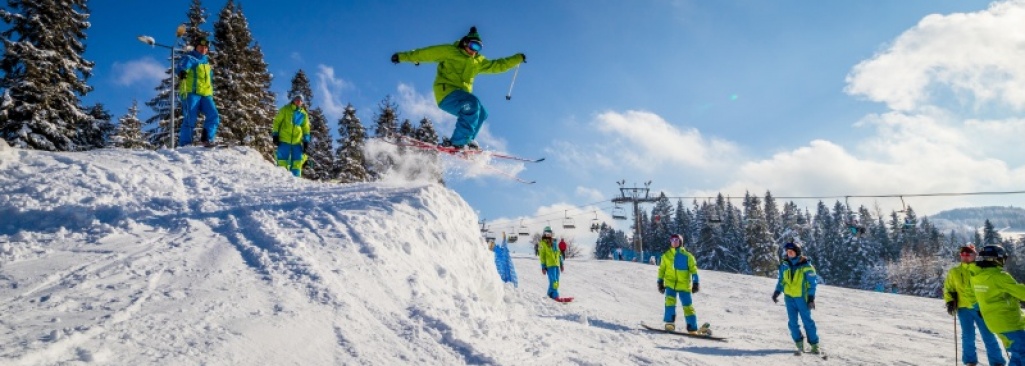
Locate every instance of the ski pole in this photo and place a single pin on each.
(955, 339)
(508, 96)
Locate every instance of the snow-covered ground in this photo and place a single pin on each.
(215, 257)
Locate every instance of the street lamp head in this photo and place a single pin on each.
(147, 40)
(180, 31)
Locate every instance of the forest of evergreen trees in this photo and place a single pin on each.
(849, 247)
(44, 77)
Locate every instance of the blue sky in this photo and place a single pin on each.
(801, 98)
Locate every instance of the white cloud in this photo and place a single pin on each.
(329, 90)
(590, 194)
(976, 55)
(146, 70)
(647, 142)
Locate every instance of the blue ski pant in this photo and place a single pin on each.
(1015, 343)
(470, 115)
(798, 307)
(291, 157)
(553, 282)
(688, 308)
(192, 105)
(969, 319)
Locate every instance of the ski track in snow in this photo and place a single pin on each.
(198, 256)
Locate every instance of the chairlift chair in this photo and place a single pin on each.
(567, 223)
(512, 238)
(618, 213)
(594, 223)
(523, 229)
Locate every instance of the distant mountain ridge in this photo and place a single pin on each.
(1003, 218)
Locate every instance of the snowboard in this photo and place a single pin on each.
(685, 334)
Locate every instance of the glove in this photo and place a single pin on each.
(395, 58)
(182, 75)
(524, 57)
(275, 139)
(811, 302)
(775, 297)
(562, 268)
(661, 287)
(695, 288)
(304, 147)
(544, 271)
(951, 307)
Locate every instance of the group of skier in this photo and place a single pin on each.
(980, 294)
(458, 64)
(290, 132)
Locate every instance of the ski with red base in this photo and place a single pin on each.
(457, 152)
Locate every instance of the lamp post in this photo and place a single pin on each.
(153, 43)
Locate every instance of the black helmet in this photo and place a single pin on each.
(200, 41)
(793, 246)
(993, 254)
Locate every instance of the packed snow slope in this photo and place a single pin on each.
(215, 257)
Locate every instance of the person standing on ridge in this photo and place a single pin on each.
(551, 261)
(797, 281)
(678, 278)
(197, 94)
(999, 297)
(959, 296)
(458, 65)
(291, 134)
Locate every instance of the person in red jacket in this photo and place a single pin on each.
(562, 247)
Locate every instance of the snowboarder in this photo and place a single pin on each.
(291, 134)
(960, 300)
(797, 282)
(458, 64)
(678, 278)
(999, 297)
(551, 261)
(197, 94)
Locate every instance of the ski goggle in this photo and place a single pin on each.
(674, 240)
(967, 254)
(476, 46)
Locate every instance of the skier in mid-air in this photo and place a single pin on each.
(458, 64)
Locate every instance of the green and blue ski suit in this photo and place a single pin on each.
(678, 272)
(797, 281)
(999, 297)
(453, 83)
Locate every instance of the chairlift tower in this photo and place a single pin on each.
(636, 196)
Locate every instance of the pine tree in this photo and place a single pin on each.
(164, 127)
(661, 225)
(990, 236)
(44, 75)
(129, 131)
(386, 121)
(759, 240)
(605, 245)
(351, 163)
(242, 82)
(93, 132)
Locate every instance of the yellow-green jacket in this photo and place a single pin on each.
(456, 68)
(549, 253)
(797, 278)
(198, 75)
(999, 297)
(678, 269)
(959, 281)
(292, 125)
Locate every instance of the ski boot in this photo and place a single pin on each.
(472, 145)
(671, 327)
(814, 349)
(800, 348)
(702, 331)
